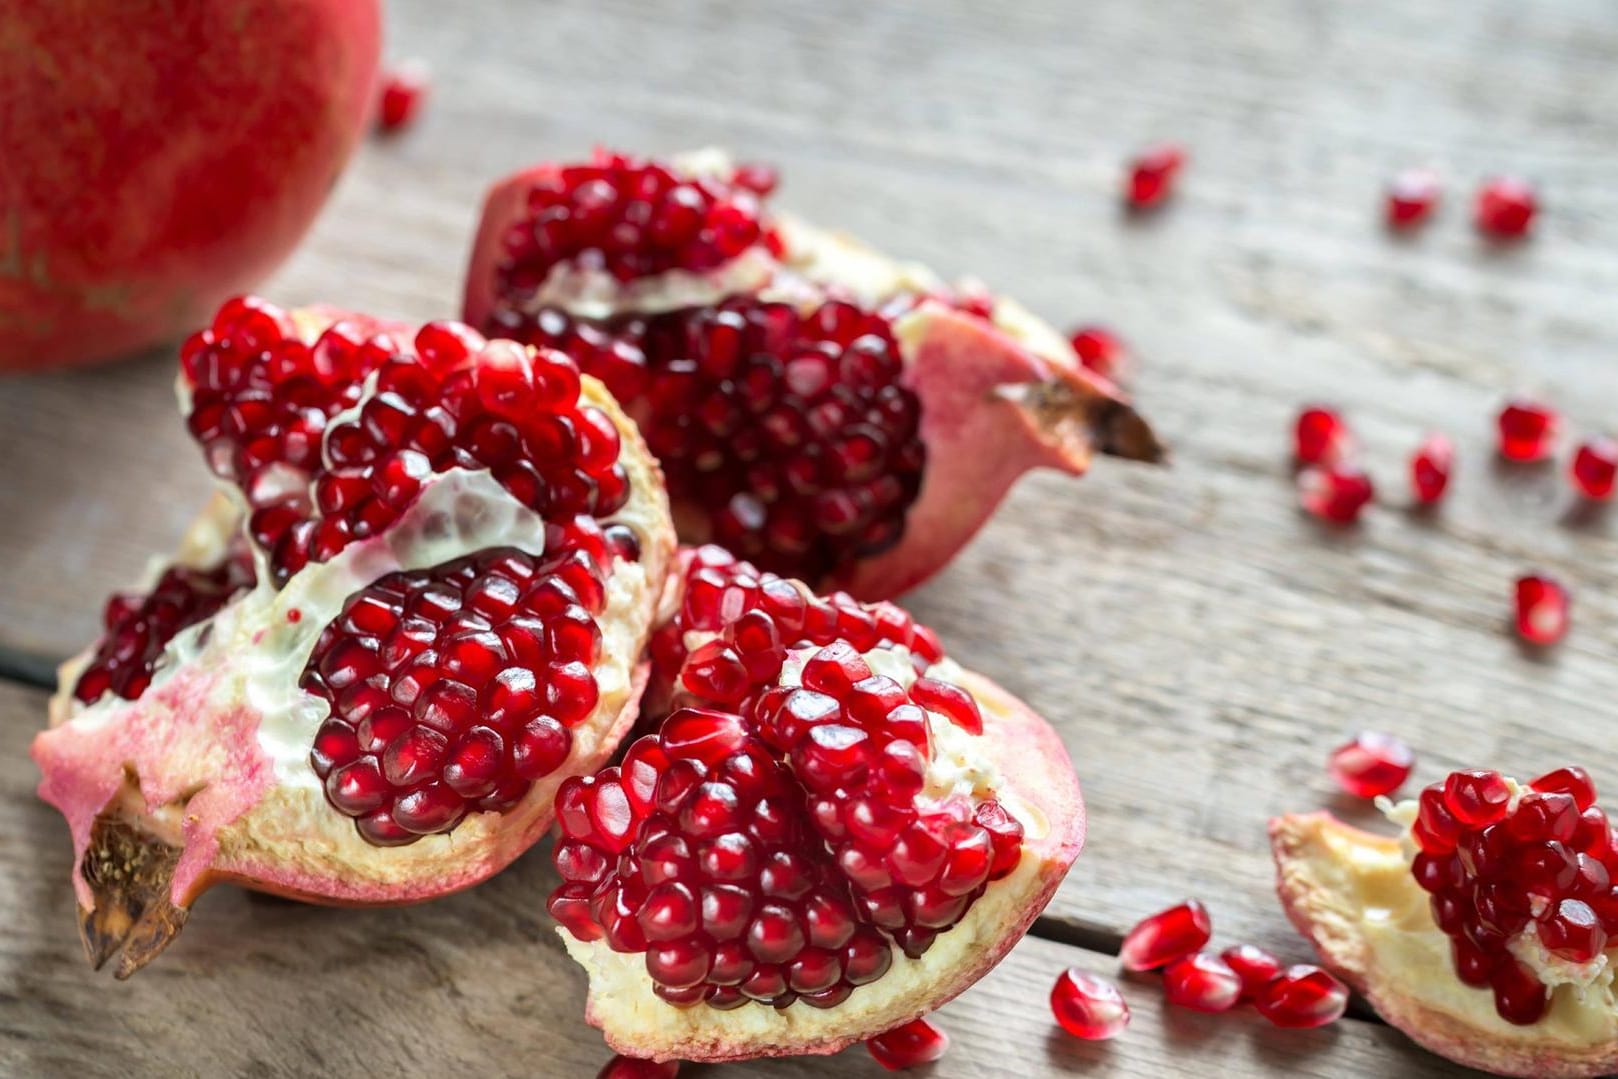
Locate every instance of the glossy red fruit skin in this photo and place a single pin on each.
(1152, 175)
(1505, 208)
(1430, 469)
(1255, 966)
(1595, 468)
(1542, 609)
(1088, 1007)
(1319, 436)
(403, 90)
(1165, 936)
(1302, 996)
(1527, 430)
(1099, 349)
(1371, 764)
(1412, 197)
(142, 168)
(622, 1067)
(1336, 494)
(1202, 982)
(911, 1045)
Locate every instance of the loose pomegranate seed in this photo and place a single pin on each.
(1166, 936)
(1337, 493)
(1527, 430)
(1371, 764)
(402, 91)
(1430, 469)
(1253, 965)
(1302, 996)
(1152, 175)
(1506, 207)
(1542, 609)
(1595, 468)
(622, 1067)
(1202, 982)
(1099, 349)
(1320, 437)
(1088, 1007)
(917, 1042)
(1412, 196)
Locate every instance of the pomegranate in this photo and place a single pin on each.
(413, 609)
(832, 831)
(818, 408)
(155, 165)
(1482, 931)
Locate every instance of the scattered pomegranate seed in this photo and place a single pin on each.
(1088, 1007)
(1595, 468)
(1505, 207)
(1542, 609)
(1099, 349)
(1336, 493)
(1320, 437)
(917, 1042)
(1527, 430)
(1166, 936)
(1430, 469)
(1412, 196)
(1302, 996)
(402, 91)
(1253, 965)
(1202, 982)
(622, 1067)
(1152, 175)
(1371, 764)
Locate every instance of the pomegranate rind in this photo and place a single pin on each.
(1042, 792)
(1350, 892)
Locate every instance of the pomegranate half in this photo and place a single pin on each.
(833, 829)
(819, 408)
(419, 601)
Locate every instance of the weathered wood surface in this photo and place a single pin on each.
(1200, 645)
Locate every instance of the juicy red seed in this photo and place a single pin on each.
(916, 1042)
(1099, 349)
(1542, 609)
(1505, 207)
(1371, 764)
(622, 1067)
(1572, 780)
(1166, 936)
(1571, 930)
(1088, 1007)
(1412, 196)
(402, 91)
(1319, 436)
(1527, 430)
(1476, 798)
(1202, 982)
(1595, 468)
(1430, 469)
(1336, 493)
(1519, 997)
(1302, 996)
(1253, 965)
(950, 701)
(1152, 175)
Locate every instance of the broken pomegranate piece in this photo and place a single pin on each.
(417, 605)
(1088, 1007)
(832, 829)
(821, 409)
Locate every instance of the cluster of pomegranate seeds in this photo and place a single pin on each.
(911, 1045)
(632, 218)
(137, 627)
(1542, 613)
(1505, 207)
(1595, 468)
(1430, 469)
(1152, 175)
(622, 1067)
(453, 689)
(403, 89)
(1371, 764)
(1412, 197)
(1527, 430)
(1497, 868)
(770, 843)
(1088, 1007)
(1100, 350)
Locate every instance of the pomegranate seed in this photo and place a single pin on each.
(1099, 349)
(1542, 609)
(1202, 982)
(1320, 437)
(1337, 493)
(1412, 196)
(1476, 798)
(1302, 996)
(1527, 430)
(1571, 780)
(1519, 997)
(1430, 469)
(916, 1042)
(403, 89)
(1088, 1007)
(1505, 207)
(1152, 175)
(1253, 965)
(1371, 764)
(1595, 468)
(622, 1067)
(1166, 936)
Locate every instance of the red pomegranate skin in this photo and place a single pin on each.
(157, 161)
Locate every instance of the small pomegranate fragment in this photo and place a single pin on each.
(622, 1067)
(1166, 936)
(1412, 197)
(1152, 175)
(1505, 207)
(1430, 469)
(1088, 1007)
(1320, 437)
(402, 91)
(1202, 982)
(1099, 349)
(1542, 609)
(1595, 468)
(1336, 493)
(1253, 965)
(1371, 764)
(1302, 996)
(1527, 430)
(917, 1042)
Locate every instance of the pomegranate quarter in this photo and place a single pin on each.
(417, 604)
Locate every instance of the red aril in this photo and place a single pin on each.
(1203, 982)
(1088, 1007)
(1430, 469)
(1527, 430)
(911, 1045)
(1371, 764)
(1152, 175)
(622, 1067)
(1335, 493)
(1253, 965)
(1166, 936)
(401, 94)
(1542, 609)
(1099, 349)
(1411, 198)
(1595, 468)
(1319, 437)
(1302, 996)
(1505, 207)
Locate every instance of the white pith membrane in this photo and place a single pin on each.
(634, 1020)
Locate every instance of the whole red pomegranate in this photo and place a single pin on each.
(155, 163)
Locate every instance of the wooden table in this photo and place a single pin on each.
(1200, 644)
